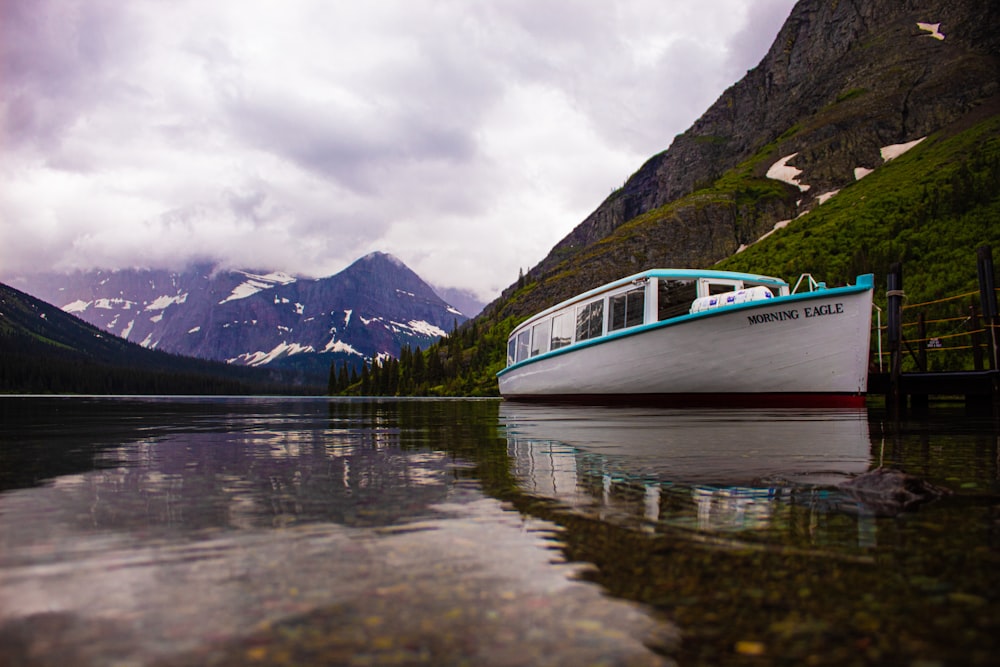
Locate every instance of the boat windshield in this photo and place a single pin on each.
(674, 297)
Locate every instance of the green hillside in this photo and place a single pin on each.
(929, 209)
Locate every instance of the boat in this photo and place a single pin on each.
(697, 336)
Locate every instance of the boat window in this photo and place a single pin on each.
(562, 331)
(522, 344)
(627, 309)
(540, 338)
(723, 287)
(674, 298)
(511, 349)
(590, 320)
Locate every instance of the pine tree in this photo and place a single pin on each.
(343, 379)
(418, 373)
(366, 379)
(332, 386)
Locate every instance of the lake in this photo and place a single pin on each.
(271, 531)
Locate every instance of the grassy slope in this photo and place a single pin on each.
(929, 209)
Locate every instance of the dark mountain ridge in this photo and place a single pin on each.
(44, 350)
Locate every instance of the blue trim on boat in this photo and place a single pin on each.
(863, 284)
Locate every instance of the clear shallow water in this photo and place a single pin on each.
(289, 531)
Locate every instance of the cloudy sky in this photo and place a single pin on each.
(465, 137)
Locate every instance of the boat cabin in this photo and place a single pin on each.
(646, 298)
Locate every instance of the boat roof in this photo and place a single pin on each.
(672, 274)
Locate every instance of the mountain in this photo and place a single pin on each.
(44, 350)
(465, 301)
(845, 88)
(868, 134)
(373, 308)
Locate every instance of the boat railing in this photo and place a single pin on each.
(811, 283)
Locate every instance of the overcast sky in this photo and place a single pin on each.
(466, 137)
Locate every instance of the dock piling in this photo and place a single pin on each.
(894, 296)
(988, 299)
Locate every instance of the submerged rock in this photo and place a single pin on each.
(887, 492)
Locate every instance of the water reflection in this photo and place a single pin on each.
(254, 473)
(268, 531)
(728, 470)
(733, 524)
(192, 532)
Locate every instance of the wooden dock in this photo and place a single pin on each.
(912, 390)
(978, 389)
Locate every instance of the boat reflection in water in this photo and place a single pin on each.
(709, 470)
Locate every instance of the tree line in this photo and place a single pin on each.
(463, 363)
(29, 365)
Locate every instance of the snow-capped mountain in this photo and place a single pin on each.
(370, 309)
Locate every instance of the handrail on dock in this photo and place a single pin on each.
(980, 325)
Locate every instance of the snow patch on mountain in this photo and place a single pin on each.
(164, 302)
(284, 349)
(933, 28)
(340, 346)
(823, 198)
(110, 304)
(258, 283)
(895, 150)
(243, 290)
(77, 306)
(781, 224)
(426, 328)
(784, 172)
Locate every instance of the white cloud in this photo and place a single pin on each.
(465, 138)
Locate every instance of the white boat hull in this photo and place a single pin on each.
(807, 345)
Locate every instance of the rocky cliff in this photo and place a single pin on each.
(845, 86)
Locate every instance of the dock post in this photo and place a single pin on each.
(922, 341)
(988, 299)
(894, 296)
(920, 402)
(977, 337)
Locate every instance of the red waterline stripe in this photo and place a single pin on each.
(773, 400)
